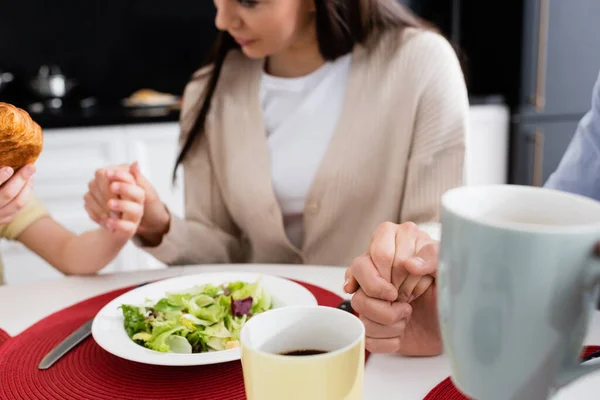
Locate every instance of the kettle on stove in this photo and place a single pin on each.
(50, 82)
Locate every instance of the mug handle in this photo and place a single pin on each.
(568, 375)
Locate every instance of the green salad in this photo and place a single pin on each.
(203, 318)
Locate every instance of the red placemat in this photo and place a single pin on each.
(88, 372)
(3, 336)
(446, 390)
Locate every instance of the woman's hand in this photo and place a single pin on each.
(15, 191)
(392, 248)
(399, 268)
(109, 183)
(123, 212)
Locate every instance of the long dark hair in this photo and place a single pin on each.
(341, 24)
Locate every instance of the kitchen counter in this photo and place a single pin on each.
(77, 114)
(81, 109)
(73, 114)
(101, 116)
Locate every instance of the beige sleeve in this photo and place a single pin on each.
(437, 157)
(32, 212)
(207, 234)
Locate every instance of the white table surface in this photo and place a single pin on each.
(386, 376)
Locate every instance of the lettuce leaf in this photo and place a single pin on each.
(161, 332)
(134, 319)
(165, 305)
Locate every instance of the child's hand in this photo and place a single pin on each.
(118, 203)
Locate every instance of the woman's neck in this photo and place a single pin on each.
(300, 59)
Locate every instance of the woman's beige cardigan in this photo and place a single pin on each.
(399, 145)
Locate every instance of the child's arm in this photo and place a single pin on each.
(69, 253)
(91, 251)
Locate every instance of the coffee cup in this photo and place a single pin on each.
(517, 284)
(303, 352)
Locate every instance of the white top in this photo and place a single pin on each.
(300, 116)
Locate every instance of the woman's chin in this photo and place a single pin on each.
(253, 52)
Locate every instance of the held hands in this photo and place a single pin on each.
(394, 291)
(115, 200)
(15, 191)
(121, 199)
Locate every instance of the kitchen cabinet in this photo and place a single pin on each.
(69, 160)
(541, 147)
(560, 59)
(560, 64)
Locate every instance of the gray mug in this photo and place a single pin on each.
(517, 284)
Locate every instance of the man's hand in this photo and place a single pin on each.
(392, 247)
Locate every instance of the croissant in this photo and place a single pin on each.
(21, 139)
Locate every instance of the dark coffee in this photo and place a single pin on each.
(304, 352)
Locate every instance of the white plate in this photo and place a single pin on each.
(109, 333)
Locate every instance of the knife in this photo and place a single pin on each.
(70, 342)
(63, 347)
